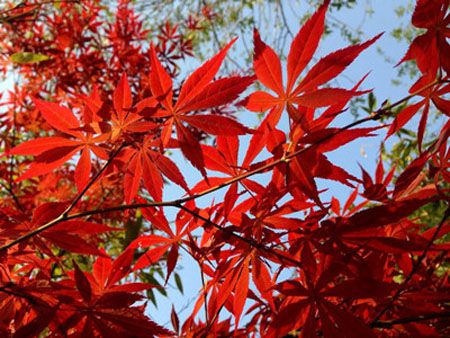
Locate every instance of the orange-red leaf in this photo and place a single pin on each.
(122, 95)
(332, 65)
(201, 77)
(218, 93)
(42, 144)
(267, 65)
(83, 169)
(326, 97)
(132, 178)
(59, 117)
(160, 81)
(82, 283)
(305, 44)
(216, 124)
(190, 148)
(403, 117)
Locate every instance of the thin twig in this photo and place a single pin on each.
(283, 16)
(219, 45)
(246, 240)
(65, 215)
(93, 180)
(421, 318)
(205, 294)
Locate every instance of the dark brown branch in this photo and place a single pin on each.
(30, 298)
(421, 318)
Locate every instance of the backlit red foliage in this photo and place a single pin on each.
(87, 135)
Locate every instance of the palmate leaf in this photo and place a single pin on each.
(268, 71)
(160, 245)
(331, 66)
(430, 49)
(198, 92)
(306, 295)
(106, 306)
(52, 152)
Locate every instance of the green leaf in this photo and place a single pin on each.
(151, 296)
(179, 283)
(371, 101)
(26, 57)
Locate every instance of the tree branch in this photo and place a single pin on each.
(176, 203)
(64, 216)
(400, 321)
(92, 181)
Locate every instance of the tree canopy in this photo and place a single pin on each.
(102, 124)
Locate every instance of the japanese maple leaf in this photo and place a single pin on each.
(122, 119)
(268, 71)
(317, 292)
(223, 158)
(301, 171)
(368, 228)
(126, 118)
(31, 296)
(101, 308)
(107, 273)
(159, 244)
(377, 190)
(146, 162)
(53, 151)
(431, 49)
(231, 282)
(433, 95)
(198, 92)
(266, 218)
